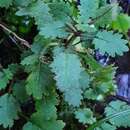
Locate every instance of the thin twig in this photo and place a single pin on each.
(77, 43)
(71, 28)
(23, 42)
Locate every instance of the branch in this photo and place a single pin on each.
(23, 42)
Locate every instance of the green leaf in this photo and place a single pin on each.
(102, 82)
(84, 80)
(39, 43)
(45, 117)
(73, 96)
(50, 25)
(122, 23)
(106, 126)
(91, 94)
(37, 81)
(14, 68)
(103, 77)
(53, 30)
(5, 77)
(111, 43)
(67, 68)
(30, 126)
(87, 9)
(85, 116)
(39, 10)
(95, 94)
(102, 2)
(103, 16)
(30, 60)
(49, 125)
(91, 62)
(19, 91)
(119, 120)
(22, 2)
(8, 110)
(61, 11)
(5, 3)
(46, 109)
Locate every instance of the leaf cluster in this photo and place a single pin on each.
(63, 80)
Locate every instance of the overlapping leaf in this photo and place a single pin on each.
(103, 16)
(30, 60)
(54, 29)
(85, 116)
(102, 81)
(61, 11)
(121, 111)
(87, 9)
(106, 126)
(122, 23)
(67, 68)
(37, 81)
(8, 110)
(45, 118)
(31, 126)
(5, 77)
(19, 91)
(23, 2)
(5, 3)
(111, 43)
(50, 25)
(39, 10)
(49, 125)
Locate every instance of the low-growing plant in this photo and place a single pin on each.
(57, 72)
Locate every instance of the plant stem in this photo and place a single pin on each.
(98, 123)
(24, 42)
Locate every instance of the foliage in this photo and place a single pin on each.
(8, 110)
(62, 66)
(117, 114)
(85, 116)
(56, 76)
(115, 107)
(5, 3)
(118, 23)
(104, 41)
(6, 75)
